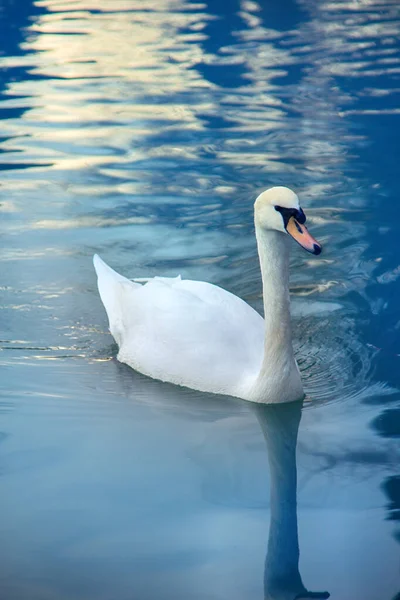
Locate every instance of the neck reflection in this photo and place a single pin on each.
(280, 426)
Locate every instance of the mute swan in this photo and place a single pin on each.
(198, 335)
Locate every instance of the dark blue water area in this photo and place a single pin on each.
(144, 131)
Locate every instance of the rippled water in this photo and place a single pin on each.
(143, 131)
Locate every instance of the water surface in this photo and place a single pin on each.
(143, 131)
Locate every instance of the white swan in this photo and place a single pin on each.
(198, 335)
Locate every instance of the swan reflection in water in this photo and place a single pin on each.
(282, 580)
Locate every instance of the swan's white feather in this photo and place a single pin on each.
(190, 333)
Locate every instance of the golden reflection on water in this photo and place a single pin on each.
(81, 222)
(137, 51)
(115, 76)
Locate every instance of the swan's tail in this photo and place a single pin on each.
(113, 289)
(103, 270)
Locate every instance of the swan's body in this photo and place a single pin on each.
(198, 335)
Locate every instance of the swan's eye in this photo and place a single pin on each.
(301, 217)
(286, 213)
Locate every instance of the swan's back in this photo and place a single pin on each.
(186, 332)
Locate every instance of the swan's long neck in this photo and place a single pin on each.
(278, 380)
(273, 250)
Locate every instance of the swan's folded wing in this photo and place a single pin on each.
(191, 333)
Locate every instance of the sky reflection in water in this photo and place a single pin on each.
(143, 131)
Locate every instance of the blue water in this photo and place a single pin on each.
(143, 131)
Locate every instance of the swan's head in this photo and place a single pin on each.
(278, 208)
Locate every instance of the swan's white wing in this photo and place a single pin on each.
(187, 332)
(209, 340)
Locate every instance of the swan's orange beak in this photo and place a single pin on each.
(300, 234)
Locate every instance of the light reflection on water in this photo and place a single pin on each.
(143, 131)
